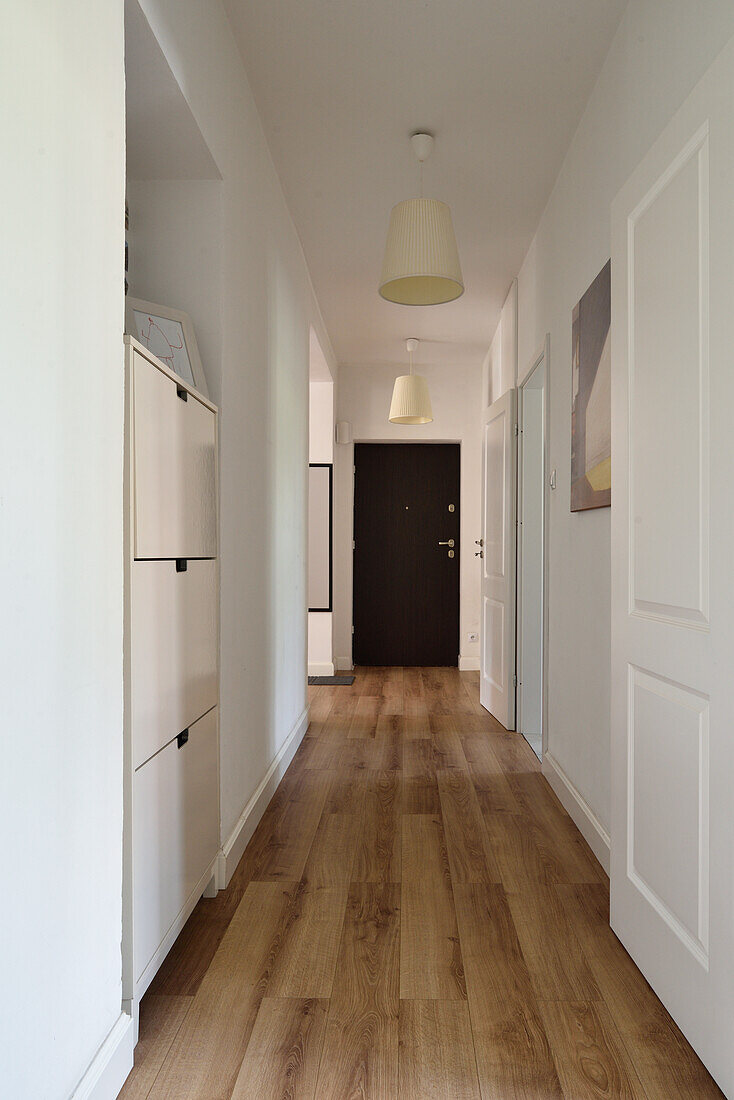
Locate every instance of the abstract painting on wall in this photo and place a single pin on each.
(591, 417)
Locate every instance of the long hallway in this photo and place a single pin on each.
(416, 917)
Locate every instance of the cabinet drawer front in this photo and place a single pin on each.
(173, 650)
(174, 481)
(175, 833)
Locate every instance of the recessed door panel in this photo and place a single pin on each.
(668, 407)
(174, 649)
(175, 833)
(174, 444)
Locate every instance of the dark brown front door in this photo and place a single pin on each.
(406, 584)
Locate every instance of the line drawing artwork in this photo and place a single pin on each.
(164, 337)
(173, 348)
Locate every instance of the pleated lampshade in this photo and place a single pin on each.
(411, 402)
(421, 265)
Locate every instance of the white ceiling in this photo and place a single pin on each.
(341, 85)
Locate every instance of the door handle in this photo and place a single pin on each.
(449, 542)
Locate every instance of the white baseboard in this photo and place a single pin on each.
(111, 1064)
(586, 821)
(468, 664)
(326, 669)
(343, 664)
(234, 848)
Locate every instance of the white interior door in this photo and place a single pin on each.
(672, 559)
(499, 461)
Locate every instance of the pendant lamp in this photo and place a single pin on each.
(411, 402)
(421, 265)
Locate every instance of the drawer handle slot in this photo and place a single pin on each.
(182, 393)
(182, 738)
(182, 565)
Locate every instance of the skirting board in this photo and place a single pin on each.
(325, 669)
(234, 848)
(578, 808)
(468, 664)
(343, 664)
(111, 1064)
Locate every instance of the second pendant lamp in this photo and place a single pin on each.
(421, 265)
(411, 402)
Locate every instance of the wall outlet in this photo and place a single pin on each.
(472, 636)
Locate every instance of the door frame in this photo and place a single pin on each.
(541, 360)
(458, 442)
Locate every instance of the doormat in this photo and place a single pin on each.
(330, 681)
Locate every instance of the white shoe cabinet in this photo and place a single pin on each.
(171, 661)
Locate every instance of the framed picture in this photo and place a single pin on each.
(320, 529)
(591, 411)
(169, 334)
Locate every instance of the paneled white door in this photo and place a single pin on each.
(499, 504)
(673, 568)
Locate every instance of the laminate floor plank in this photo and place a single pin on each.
(415, 916)
(378, 853)
(286, 852)
(205, 1057)
(331, 858)
(487, 774)
(430, 956)
(284, 1052)
(364, 718)
(470, 856)
(553, 831)
(304, 966)
(557, 965)
(360, 1052)
(514, 1058)
(161, 1017)
(420, 786)
(437, 1052)
(590, 1056)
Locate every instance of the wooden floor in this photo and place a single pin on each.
(416, 916)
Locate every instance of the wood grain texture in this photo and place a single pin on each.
(160, 1019)
(310, 938)
(437, 1051)
(592, 1062)
(514, 1058)
(413, 849)
(558, 968)
(470, 856)
(283, 1055)
(378, 852)
(360, 1053)
(205, 1056)
(430, 953)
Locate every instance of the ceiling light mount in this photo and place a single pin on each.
(422, 143)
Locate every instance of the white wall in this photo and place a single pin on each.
(61, 577)
(658, 54)
(499, 372)
(363, 398)
(321, 449)
(175, 244)
(267, 309)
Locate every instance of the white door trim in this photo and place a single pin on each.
(499, 560)
(541, 360)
